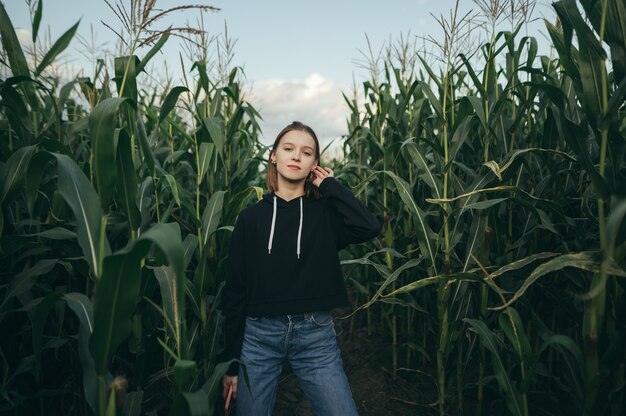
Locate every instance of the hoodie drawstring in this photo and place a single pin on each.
(269, 244)
(300, 229)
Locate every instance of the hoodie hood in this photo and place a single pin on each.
(278, 202)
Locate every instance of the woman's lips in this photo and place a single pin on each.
(294, 167)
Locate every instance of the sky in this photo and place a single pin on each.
(297, 56)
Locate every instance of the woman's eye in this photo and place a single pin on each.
(307, 153)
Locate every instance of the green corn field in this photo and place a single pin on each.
(500, 173)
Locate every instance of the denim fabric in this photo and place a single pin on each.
(309, 343)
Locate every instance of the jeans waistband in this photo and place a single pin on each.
(295, 317)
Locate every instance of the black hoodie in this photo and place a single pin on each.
(283, 257)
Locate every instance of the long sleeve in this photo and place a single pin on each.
(234, 298)
(356, 224)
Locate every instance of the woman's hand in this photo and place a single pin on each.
(318, 174)
(228, 381)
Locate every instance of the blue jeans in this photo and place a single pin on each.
(309, 342)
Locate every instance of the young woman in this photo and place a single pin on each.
(285, 277)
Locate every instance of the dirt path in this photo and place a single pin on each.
(373, 388)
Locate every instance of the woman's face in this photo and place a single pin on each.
(295, 156)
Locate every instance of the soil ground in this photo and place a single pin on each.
(367, 362)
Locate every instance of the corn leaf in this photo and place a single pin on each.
(577, 139)
(568, 55)
(59, 46)
(82, 307)
(36, 168)
(170, 101)
(167, 286)
(592, 56)
(417, 157)
(616, 227)
(39, 318)
(37, 20)
(584, 260)
(117, 291)
(614, 30)
(204, 159)
(24, 281)
(184, 372)
(15, 55)
(126, 192)
(215, 127)
(432, 99)
(212, 215)
(211, 387)
(132, 405)
(507, 386)
(16, 107)
(190, 245)
(172, 183)
(511, 323)
(427, 281)
(145, 146)
(423, 230)
(141, 66)
(144, 200)
(14, 170)
(78, 193)
(389, 279)
(573, 361)
(102, 127)
(126, 76)
(460, 135)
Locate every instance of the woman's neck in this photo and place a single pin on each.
(288, 190)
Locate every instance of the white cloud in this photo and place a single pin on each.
(62, 68)
(25, 37)
(315, 101)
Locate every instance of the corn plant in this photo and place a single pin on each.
(116, 211)
(499, 167)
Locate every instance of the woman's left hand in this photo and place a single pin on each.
(319, 174)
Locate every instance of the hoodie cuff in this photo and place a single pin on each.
(327, 183)
(233, 369)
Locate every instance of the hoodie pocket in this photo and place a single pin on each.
(322, 318)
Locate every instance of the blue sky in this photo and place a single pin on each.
(298, 56)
